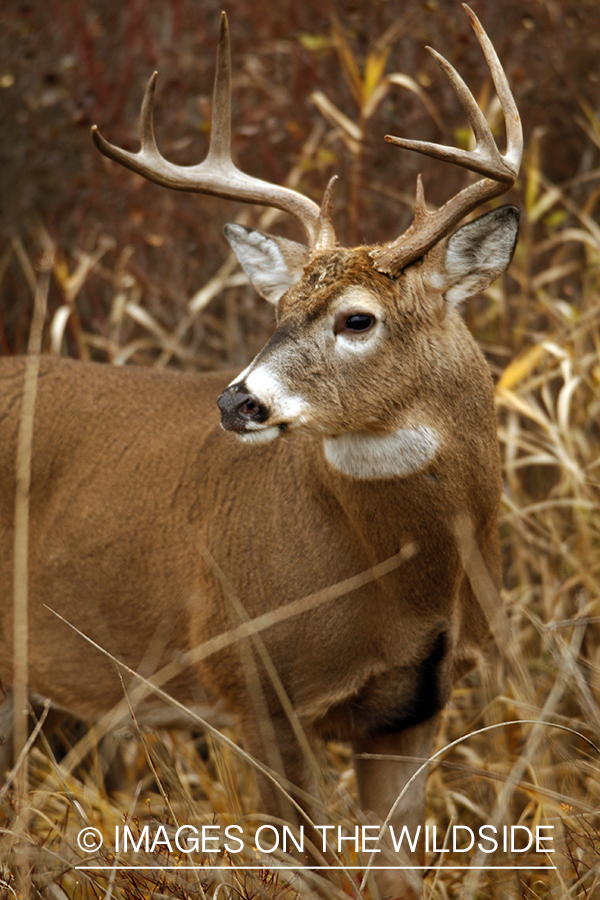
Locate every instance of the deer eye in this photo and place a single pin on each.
(355, 322)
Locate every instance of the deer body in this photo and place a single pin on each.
(362, 432)
(136, 473)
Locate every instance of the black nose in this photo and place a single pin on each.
(238, 409)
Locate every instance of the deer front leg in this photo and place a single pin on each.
(277, 748)
(290, 792)
(380, 781)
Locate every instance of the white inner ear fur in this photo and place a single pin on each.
(272, 264)
(474, 256)
(366, 456)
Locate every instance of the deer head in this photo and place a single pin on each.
(363, 316)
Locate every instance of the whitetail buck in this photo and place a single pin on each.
(362, 432)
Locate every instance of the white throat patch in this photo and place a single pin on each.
(362, 455)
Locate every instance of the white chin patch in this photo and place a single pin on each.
(259, 437)
(362, 455)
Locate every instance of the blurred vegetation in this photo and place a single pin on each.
(67, 64)
(142, 275)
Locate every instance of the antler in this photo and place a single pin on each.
(428, 227)
(217, 174)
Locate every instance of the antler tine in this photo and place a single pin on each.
(514, 129)
(485, 151)
(220, 132)
(217, 174)
(500, 171)
(147, 139)
(137, 162)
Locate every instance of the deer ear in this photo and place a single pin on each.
(471, 258)
(273, 264)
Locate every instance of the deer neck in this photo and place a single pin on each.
(401, 453)
(386, 487)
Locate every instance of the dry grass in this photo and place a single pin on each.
(523, 734)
